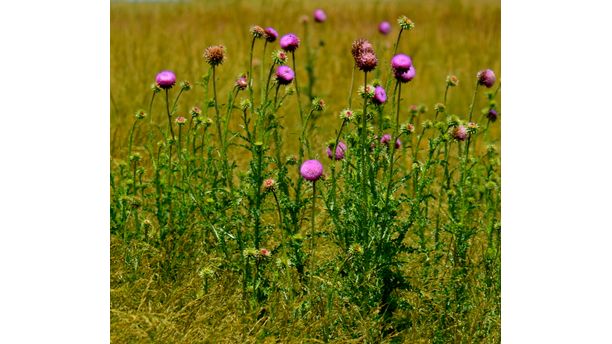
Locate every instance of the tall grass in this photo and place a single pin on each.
(219, 234)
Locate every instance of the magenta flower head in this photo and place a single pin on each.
(311, 170)
(486, 77)
(406, 75)
(384, 27)
(284, 75)
(319, 15)
(241, 82)
(380, 96)
(401, 62)
(289, 42)
(460, 133)
(165, 79)
(340, 150)
(386, 138)
(270, 34)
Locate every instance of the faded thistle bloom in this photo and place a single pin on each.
(319, 15)
(180, 120)
(340, 150)
(459, 133)
(452, 80)
(311, 170)
(269, 184)
(165, 79)
(284, 75)
(289, 42)
(265, 253)
(486, 77)
(405, 23)
(241, 82)
(270, 34)
(196, 111)
(363, 54)
(384, 27)
(318, 104)
(279, 57)
(380, 96)
(214, 55)
(257, 31)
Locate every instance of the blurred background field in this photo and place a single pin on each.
(451, 37)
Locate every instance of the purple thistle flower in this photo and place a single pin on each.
(406, 75)
(401, 62)
(460, 133)
(340, 150)
(284, 75)
(380, 96)
(386, 138)
(289, 42)
(384, 27)
(165, 79)
(271, 34)
(311, 170)
(241, 82)
(486, 77)
(319, 15)
(492, 115)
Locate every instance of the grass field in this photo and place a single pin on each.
(399, 255)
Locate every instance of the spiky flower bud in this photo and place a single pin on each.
(405, 23)
(208, 122)
(257, 31)
(407, 128)
(155, 88)
(185, 85)
(318, 104)
(439, 107)
(269, 184)
(453, 121)
(279, 57)
(472, 128)
(366, 92)
(135, 157)
(289, 90)
(245, 104)
(196, 111)
(214, 55)
(427, 124)
(423, 108)
(180, 120)
(140, 114)
(355, 249)
(452, 80)
(346, 114)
